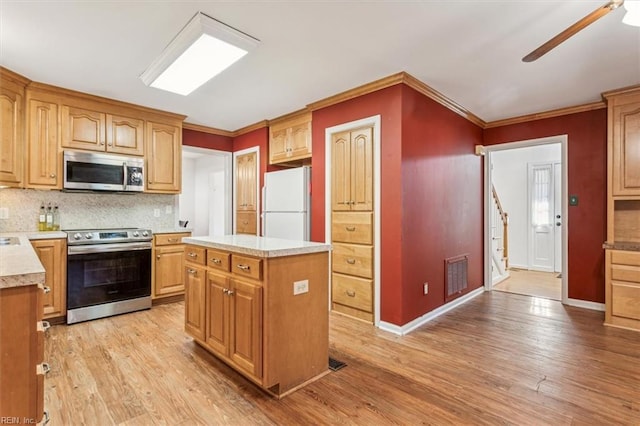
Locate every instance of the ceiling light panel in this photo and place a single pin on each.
(202, 49)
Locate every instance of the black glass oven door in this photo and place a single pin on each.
(96, 278)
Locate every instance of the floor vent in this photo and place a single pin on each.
(456, 276)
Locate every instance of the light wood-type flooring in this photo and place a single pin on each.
(498, 359)
(532, 283)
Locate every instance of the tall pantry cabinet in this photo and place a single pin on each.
(622, 269)
(246, 193)
(352, 230)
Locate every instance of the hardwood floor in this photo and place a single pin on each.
(532, 283)
(499, 359)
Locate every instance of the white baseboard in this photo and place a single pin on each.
(585, 304)
(500, 278)
(412, 325)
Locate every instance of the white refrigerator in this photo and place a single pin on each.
(286, 199)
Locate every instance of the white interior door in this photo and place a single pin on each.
(557, 216)
(541, 217)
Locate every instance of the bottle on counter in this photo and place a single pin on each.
(49, 219)
(56, 219)
(42, 218)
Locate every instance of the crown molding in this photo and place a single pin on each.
(546, 114)
(622, 91)
(205, 129)
(14, 76)
(292, 115)
(251, 128)
(430, 92)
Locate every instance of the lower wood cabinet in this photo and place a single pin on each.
(246, 311)
(22, 366)
(168, 265)
(53, 256)
(622, 289)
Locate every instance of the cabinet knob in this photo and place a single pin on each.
(351, 293)
(110, 144)
(191, 271)
(46, 289)
(52, 175)
(101, 142)
(158, 256)
(230, 292)
(351, 261)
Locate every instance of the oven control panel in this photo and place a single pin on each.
(105, 236)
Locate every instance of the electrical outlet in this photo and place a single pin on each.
(156, 212)
(168, 209)
(4, 213)
(300, 287)
(426, 288)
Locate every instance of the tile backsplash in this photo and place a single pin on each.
(80, 210)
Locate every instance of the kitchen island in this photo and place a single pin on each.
(261, 306)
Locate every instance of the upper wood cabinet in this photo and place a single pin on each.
(290, 139)
(164, 157)
(12, 89)
(44, 158)
(352, 170)
(97, 131)
(624, 142)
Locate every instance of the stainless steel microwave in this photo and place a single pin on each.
(103, 172)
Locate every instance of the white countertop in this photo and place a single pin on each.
(176, 230)
(19, 264)
(36, 235)
(258, 246)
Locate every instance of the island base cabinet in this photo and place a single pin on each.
(272, 327)
(194, 311)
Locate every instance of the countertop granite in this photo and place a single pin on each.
(19, 263)
(258, 246)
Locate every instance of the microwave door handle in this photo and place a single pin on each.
(126, 176)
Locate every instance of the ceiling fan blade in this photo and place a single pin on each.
(573, 29)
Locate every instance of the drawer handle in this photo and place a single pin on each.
(192, 255)
(244, 267)
(172, 240)
(46, 418)
(351, 261)
(192, 271)
(43, 368)
(350, 228)
(46, 289)
(44, 326)
(216, 261)
(351, 293)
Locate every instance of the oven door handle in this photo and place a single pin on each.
(104, 248)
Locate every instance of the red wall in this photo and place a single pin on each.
(587, 162)
(206, 140)
(442, 205)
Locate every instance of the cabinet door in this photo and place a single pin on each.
(362, 169)
(168, 271)
(245, 313)
(246, 222)
(626, 150)
(341, 171)
(278, 145)
(52, 255)
(42, 145)
(164, 157)
(11, 119)
(83, 129)
(217, 337)
(194, 301)
(246, 172)
(300, 141)
(125, 135)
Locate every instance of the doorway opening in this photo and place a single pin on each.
(526, 218)
(205, 204)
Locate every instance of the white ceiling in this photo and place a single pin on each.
(470, 51)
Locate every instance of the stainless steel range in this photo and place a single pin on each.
(108, 272)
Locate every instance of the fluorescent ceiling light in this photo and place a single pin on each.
(632, 16)
(202, 49)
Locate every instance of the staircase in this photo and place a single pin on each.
(499, 240)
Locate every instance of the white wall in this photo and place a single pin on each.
(204, 201)
(510, 180)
